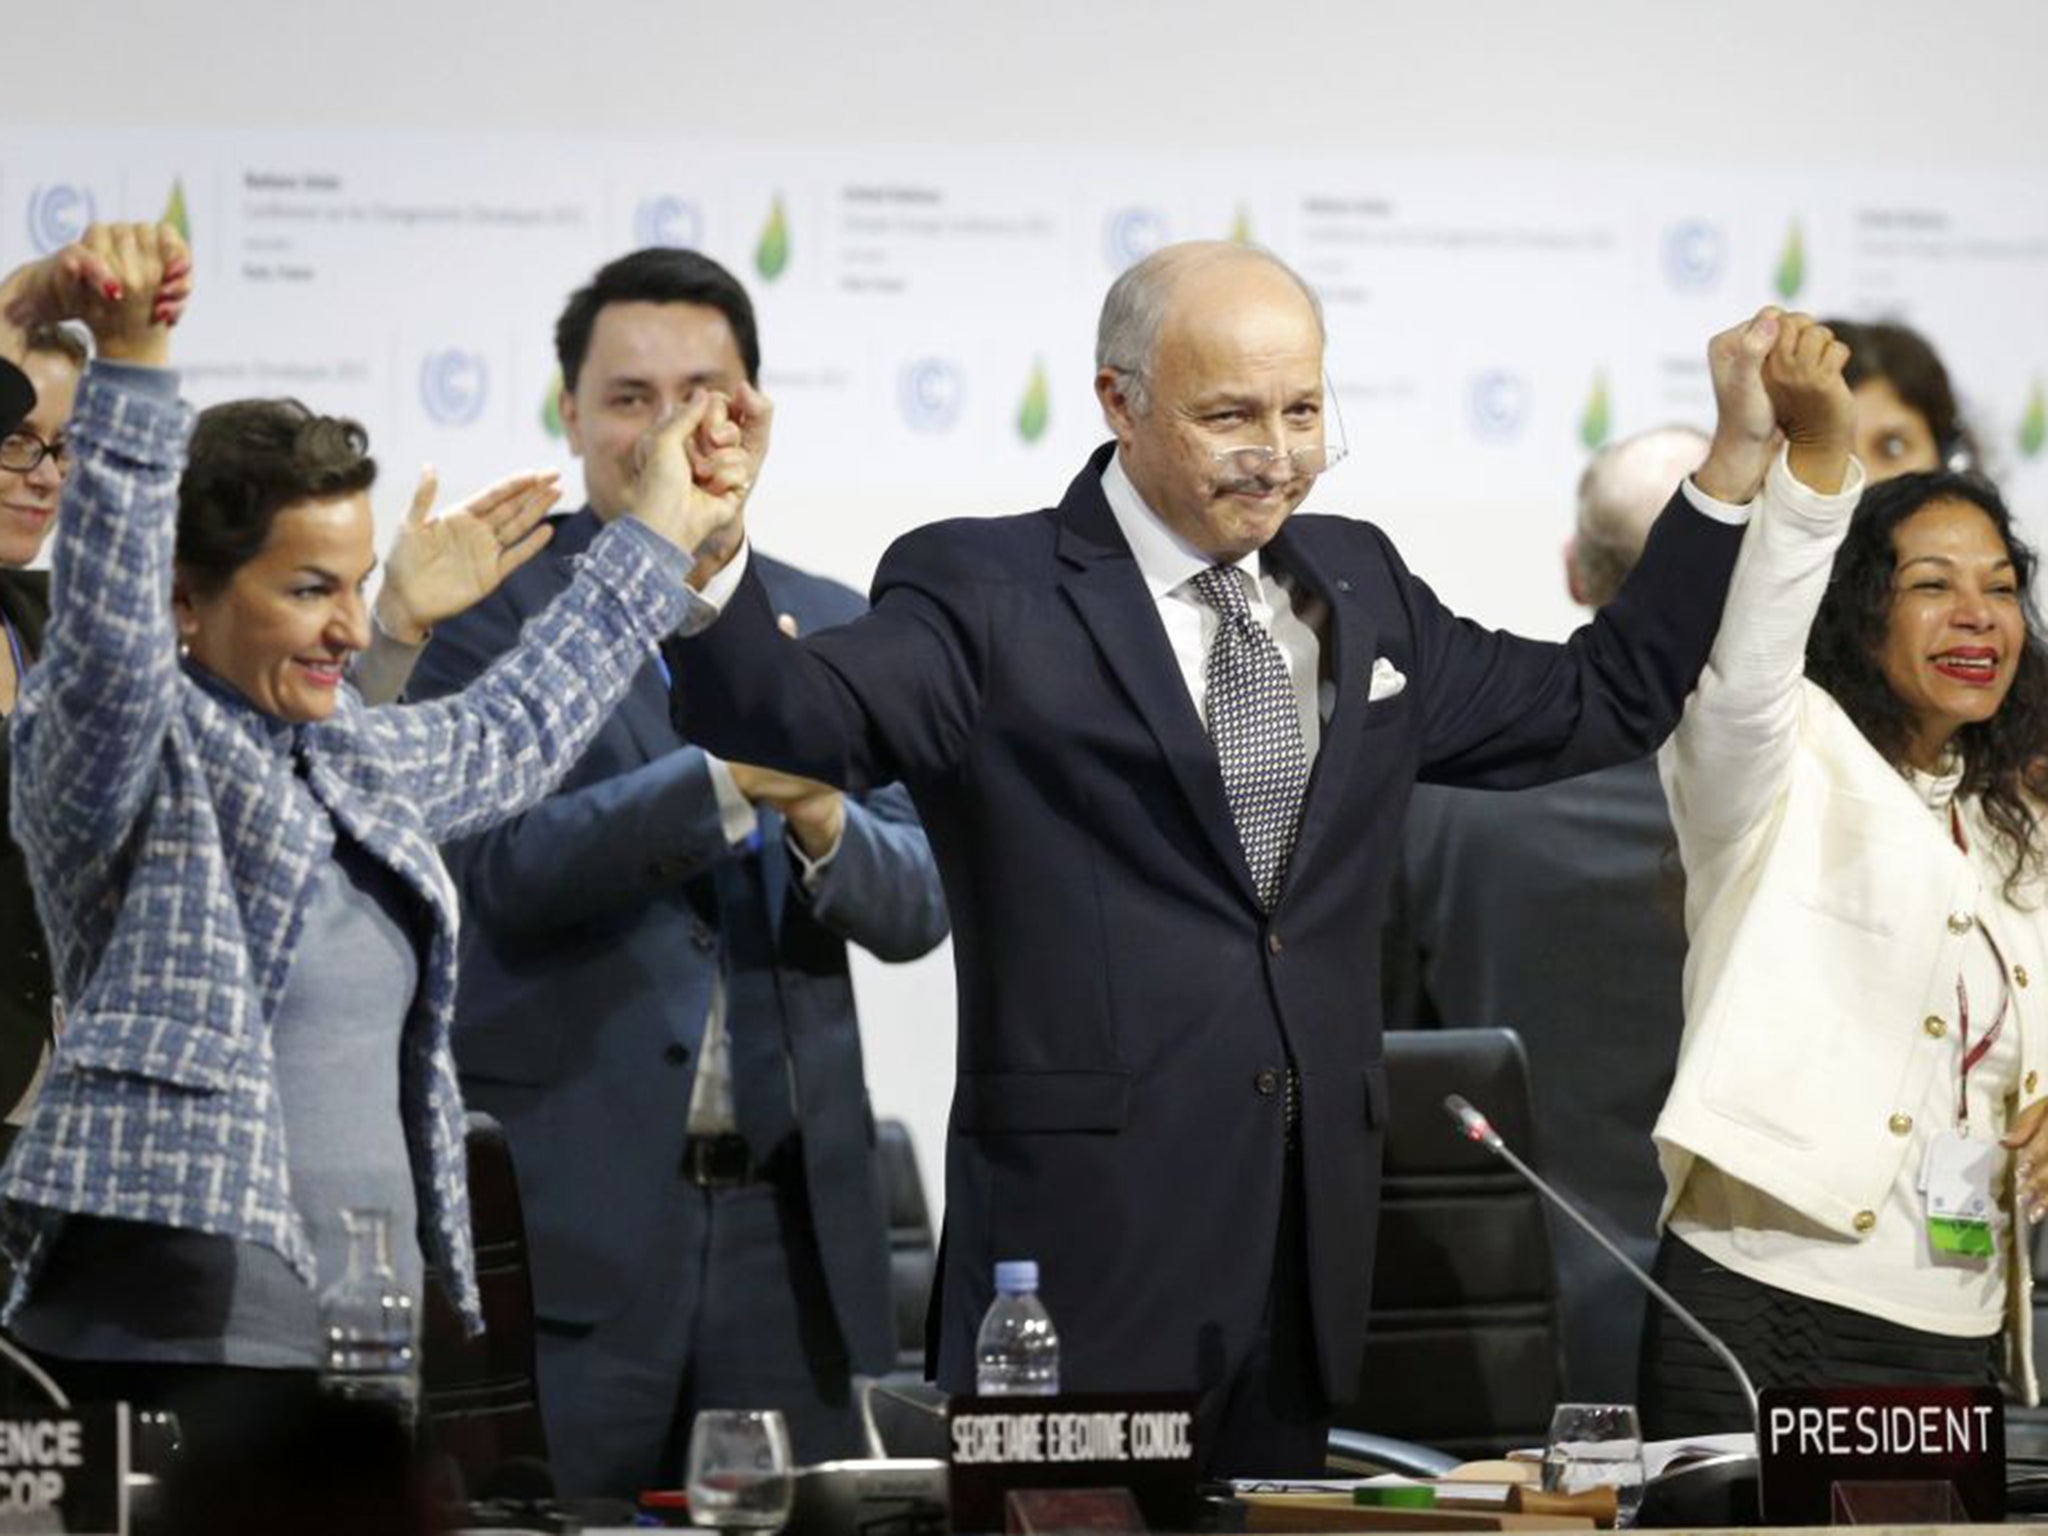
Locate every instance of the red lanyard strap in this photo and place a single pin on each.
(1972, 1054)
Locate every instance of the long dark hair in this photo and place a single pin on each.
(2005, 758)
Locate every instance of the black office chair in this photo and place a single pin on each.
(479, 1396)
(1463, 1348)
(913, 1253)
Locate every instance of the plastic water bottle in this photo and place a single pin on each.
(366, 1323)
(1017, 1351)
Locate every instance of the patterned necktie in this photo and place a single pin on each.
(1249, 705)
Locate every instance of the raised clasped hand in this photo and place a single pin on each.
(129, 283)
(1745, 426)
(1810, 396)
(696, 469)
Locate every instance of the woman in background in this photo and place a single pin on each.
(1906, 414)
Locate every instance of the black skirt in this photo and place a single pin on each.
(1782, 1340)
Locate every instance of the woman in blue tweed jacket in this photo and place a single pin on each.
(236, 859)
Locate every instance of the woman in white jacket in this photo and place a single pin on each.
(1844, 1147)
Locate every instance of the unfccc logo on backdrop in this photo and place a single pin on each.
(673, 222)
(453, 386)
(1499, 404)
(1131, 234)
(1695, 252)
(57, 215)
(931, 391)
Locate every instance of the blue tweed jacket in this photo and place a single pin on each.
(173, 831)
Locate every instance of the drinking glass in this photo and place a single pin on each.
(739, 1474)
(1594, 1445)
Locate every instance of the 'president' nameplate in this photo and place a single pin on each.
(1141, 1441)
(65, 1471)
(1810, 1440)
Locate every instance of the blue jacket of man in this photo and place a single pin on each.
(1126, 1006)
(588, 972)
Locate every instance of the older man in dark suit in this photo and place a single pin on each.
(1162, 737)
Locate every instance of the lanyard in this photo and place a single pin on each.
(1973, 1054)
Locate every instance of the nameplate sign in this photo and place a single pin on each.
(1144, 1442)
(1812, 1440)
(65, 1471)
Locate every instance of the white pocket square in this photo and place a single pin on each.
(1387, 680)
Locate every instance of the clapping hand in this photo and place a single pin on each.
(441, 565)
(1812, 401)
(128, 282)
(1746, 426)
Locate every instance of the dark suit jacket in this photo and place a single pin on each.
(1559, 913)
(1124, 1003)
(25, 989)
(588, 968)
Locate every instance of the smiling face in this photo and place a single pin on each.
(28, 498)
(282, 628)
(645, 361)
(1238, 364)
(1956, 627)
(1891, 437)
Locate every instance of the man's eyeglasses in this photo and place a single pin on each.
(22, 451)
(1252, 461)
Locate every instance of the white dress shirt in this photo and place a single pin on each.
(1286, 610)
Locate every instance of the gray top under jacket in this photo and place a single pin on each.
(118, 1290)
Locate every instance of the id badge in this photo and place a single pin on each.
(1956, 1179)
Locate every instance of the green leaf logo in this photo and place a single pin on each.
(1036, 410)
(551, 408)
(772, 254)
(1791, 274)
(1241, 227)
(2034, 425)
(1595, 422)
(175, 214)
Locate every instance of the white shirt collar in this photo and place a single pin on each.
(1165, 559)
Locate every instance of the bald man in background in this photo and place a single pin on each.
(1498, 901)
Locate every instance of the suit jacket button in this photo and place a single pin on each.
(1901, 1125)
(1960, 922)
(1267, 1082)
(2019, 974)
(676, 1053)
(1864, 1221)
(1274, 944)
(1935, 1026)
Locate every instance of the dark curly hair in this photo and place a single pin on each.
(2005, 758)
(248, 460)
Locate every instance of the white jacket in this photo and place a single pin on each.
(1827, 912)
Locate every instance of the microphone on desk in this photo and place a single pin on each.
(1477, 1128)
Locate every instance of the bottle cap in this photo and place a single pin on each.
(1015, 1276)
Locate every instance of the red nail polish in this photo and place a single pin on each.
(113, 291)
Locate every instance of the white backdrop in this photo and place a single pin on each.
(1524, 221)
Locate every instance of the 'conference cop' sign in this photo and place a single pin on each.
(1143, 1442)
(65, 1471)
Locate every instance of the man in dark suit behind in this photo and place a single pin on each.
(1559, 912)
(655, 997)
(1162, 737)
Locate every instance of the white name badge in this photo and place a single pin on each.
(1956, 1180)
